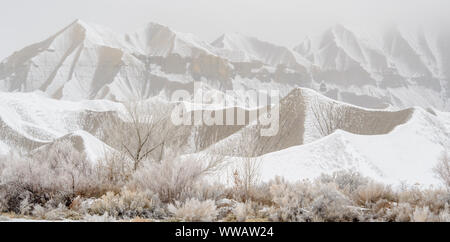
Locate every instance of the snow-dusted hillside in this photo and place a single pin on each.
(30, 120)
(240, 48)
(402, 145)
(158, 40)
(84, 142)
(399, 68)
(407, 154)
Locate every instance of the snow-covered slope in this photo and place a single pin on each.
(84, 61)
(240, 48)
(85, 143)
(401, 148)
(28, 120)
(407, 154)
(76, 63)
(302, 114)
(402, 67)
(158, 40)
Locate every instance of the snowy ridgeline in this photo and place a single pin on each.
(405, 152)
(396, 68)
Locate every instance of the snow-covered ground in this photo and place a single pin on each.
(405, 155)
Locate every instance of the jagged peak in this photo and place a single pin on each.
(94, 32)
(240, 39)
(78, 23)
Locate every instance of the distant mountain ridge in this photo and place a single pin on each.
(86, 61)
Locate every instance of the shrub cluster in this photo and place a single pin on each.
(57, 182)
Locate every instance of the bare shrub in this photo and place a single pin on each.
(68, 165)
(194, 210)
(246, 177)
(140, 127)
(328, 116)
(442, 169)
(247, 172)
(143, 133)
(114, 170)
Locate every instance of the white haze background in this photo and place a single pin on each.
(285, 22)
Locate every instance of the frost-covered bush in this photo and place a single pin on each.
(290, 200)
(444, 215)
(346, 180)
(372, 193)
(401, 212)
(114, 170)
(171, 179)
(240, 212)
(56, 182)
(435, 199)
(194, 210)
(410, 194)
(127, 204)
(423, 215)
(332, 205)
(25, 206)
(306, 201)
(249, 211)
(205, 190)
(50, 211)
(58, 171)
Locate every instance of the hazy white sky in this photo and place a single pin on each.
(285, 22)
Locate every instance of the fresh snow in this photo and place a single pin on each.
(405, 155)
(241, 48)
(41, 119)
